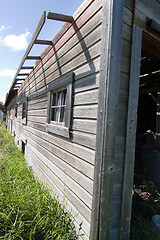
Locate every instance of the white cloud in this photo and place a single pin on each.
(2, 99)
(7, 73)
(2, 28)
(16, 43)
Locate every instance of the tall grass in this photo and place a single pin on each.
(27, 209)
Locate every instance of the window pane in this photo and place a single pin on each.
(62, 118)
(24, 106)
(58, 106)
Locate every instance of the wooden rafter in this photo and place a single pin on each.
(27, 67)
(23, 74)
(43, 42)
(60, 17)
(35, 35)
(20, 79)
(33, 58)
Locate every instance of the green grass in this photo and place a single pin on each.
(27, 209)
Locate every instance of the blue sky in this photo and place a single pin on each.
(18, 21)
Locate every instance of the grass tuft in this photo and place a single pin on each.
(27, 209)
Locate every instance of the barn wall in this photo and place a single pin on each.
(65, 165)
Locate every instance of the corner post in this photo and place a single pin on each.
(110, 67)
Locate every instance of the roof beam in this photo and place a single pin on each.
(33, 58)
(27, 67)
(35, 35)
(60, 17)
(43, 42)
(23, 74)
(20, 79)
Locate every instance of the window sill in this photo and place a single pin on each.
(24, 121)
(58, 130)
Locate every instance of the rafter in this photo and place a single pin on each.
(60, 17)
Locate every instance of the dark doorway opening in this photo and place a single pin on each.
(146, 187)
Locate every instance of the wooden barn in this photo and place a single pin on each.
(74, 113)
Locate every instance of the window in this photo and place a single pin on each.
(24, 111)
(16, 111)
(60, 106)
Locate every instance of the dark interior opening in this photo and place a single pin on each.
(148, 108)
(146, 186)
(23, 147)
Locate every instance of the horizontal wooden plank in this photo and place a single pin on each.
(79, 219)
(63, 175)
(41, 105)
(43, 168)
(54, 175)
(69, 45)
(129, 4)
(37, 126)
(87, 126)
(50, 74)
(47, 149)
(69, 34)
(46, 179)
(73, 148)
(84, 139)
(40, 98)
(86, 83)
(67, 66)
(41, 112)
(84, 71)
(82, 20)
(79, 205)
(89, 112)
(37, 119)
(87, 97)
(127, 16)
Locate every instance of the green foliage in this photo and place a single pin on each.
(27, 209)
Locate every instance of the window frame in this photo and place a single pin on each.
(54, 127)
(24, 116)
(16, 111)
(60, 106)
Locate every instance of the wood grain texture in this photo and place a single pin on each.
(107, 116)
(131, 133)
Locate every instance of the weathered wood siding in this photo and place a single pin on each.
(120, 139)
(65, 165)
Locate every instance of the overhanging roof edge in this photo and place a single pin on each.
(35, 35)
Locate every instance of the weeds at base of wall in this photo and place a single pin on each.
(27, 209)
